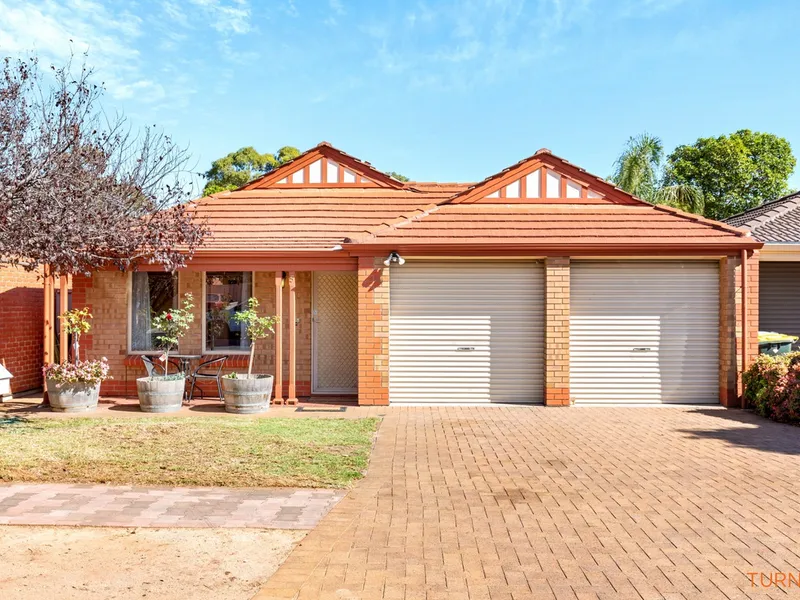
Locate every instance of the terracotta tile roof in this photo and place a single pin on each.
(547, 224)
(279, 219)
(434, 186)
(305, 218)
(777, 221)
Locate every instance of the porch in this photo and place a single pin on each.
(313, 353)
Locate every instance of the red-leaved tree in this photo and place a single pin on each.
(81, 190)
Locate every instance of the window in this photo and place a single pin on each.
(227, 293)
(151, 293)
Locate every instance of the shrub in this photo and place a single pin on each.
(88, 371)
(772, 386)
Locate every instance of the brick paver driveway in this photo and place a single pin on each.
(534, 502)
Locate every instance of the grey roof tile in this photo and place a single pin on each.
(777, 221)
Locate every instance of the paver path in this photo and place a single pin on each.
(127, 506)
(534, 502)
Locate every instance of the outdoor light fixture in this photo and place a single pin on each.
(394, 259)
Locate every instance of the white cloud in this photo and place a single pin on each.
(233, 17)
(55, 30)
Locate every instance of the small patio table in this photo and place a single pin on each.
(185, 360)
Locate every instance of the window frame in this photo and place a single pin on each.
(129, 314)
(218, 352)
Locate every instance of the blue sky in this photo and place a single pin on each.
(439, 90)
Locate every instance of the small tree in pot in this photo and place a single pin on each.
(75, 386)
(250, 393)
(164, 393)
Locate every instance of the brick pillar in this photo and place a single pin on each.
(192, 282)
(730, 356)
(556, 341)
(373, 331)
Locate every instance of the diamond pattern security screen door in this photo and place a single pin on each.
(335, 331)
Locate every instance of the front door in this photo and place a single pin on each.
(335, 333)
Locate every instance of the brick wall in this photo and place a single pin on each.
(22, 327)
(373, 331)
(731, 325)
(105, 293)
(557, 309)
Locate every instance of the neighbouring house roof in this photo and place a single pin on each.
(777, 221)
(325, 198)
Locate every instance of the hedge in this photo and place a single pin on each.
(772, 386)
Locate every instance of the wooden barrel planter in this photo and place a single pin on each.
(72, 397)
(247, 395)
(159, 394)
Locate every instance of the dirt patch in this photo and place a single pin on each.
(121, 563)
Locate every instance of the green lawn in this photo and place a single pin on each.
(206, 451)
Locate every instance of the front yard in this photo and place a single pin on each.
(193, 451)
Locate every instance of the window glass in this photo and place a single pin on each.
(152, 293)
(227, 293)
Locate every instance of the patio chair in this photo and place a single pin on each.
(211, 369)
(154, 368)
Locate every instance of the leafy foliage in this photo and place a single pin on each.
(397, 176)
(238, 168)
(173, 325)
(772, 386)
(258, 328)
(80, 190)
(76, 322)
(734, 172)
(638, 171)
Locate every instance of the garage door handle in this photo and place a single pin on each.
(465, 349)
(641, 349)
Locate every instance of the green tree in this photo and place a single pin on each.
(638, 171)
(173, 325)
(735, 172)
(258, 328)
(243, 166)
(397, 176)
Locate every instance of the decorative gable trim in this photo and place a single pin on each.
(544, 179)
(324, 167)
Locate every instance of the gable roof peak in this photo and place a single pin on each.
(360, 171)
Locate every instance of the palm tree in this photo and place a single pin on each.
(637, 168)
(638, 171)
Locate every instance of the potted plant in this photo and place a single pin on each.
(247, 394)
(164, 393)
(75, 386)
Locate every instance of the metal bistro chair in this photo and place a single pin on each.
(153, 368)
(213, 370)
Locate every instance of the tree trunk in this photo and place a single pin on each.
(250, 362)
(76, 347)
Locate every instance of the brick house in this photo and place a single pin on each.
(541, 283)
(21, 327)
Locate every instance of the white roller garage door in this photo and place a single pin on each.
(466, 331)
(644, 332)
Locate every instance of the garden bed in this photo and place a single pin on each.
(186, 451)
